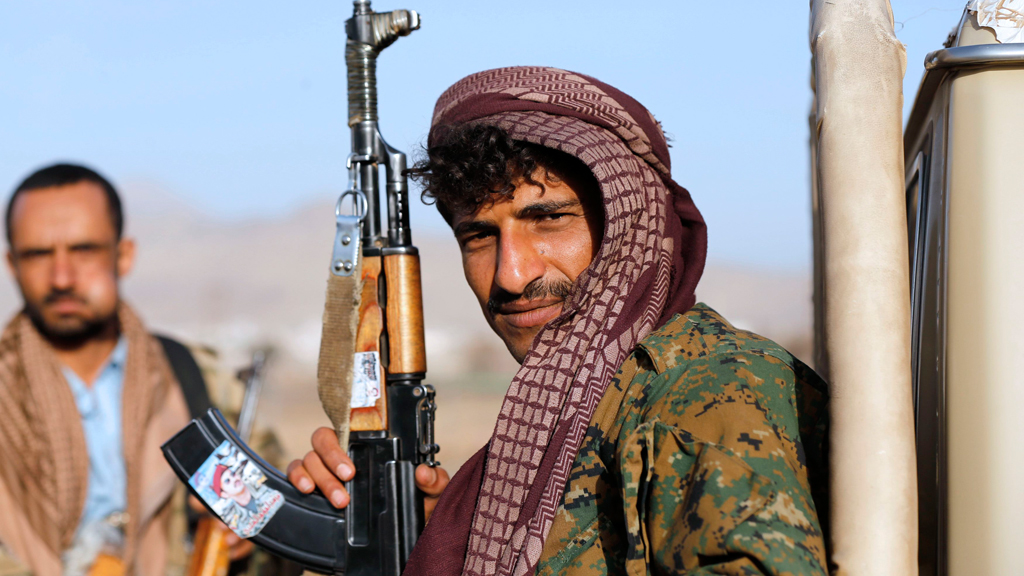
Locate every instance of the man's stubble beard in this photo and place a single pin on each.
(71, 334)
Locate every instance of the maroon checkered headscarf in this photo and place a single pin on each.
(497, 511)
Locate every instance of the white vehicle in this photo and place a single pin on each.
(963, 148)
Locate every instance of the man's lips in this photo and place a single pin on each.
(529, 314)
(65, 305)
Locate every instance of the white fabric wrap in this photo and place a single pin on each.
(858, 72)
(1004, 17)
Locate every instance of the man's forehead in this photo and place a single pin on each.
(75, 209)
(84, 194)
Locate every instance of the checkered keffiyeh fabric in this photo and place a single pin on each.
(44, 464)
(646, 270)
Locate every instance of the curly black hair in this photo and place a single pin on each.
(472, 164)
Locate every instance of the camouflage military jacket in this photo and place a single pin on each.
(703, 457)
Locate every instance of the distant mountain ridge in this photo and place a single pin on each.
(235, 284)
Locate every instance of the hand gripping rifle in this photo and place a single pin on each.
(372, 364)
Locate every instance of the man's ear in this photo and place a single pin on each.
(10, 263)
(125, 256)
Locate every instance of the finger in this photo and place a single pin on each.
(196, 505)
(425, 477)
(299, 478)
(325, 443)
(431, 480)
(325, 480)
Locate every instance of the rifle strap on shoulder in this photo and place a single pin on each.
(188, 374)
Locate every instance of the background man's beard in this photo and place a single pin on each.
(536, 290)
(71, 333)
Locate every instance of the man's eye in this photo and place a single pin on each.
(553, 217)
(476, 238)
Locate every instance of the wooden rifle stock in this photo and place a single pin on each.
(107, 565)
(210, 549)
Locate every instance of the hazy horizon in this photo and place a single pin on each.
(232, 286)
(240, 107)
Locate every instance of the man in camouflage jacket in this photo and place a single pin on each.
(707, 443)
(643, 433)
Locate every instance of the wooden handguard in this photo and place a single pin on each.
(371, 324)
(407, 353)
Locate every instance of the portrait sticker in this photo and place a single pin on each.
(366, 383)
(235, 489)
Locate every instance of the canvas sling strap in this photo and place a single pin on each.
(335, 370)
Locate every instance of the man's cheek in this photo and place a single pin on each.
(33, 282)
(101, 295)
(479, 278)
(575, 254)
(33, 292)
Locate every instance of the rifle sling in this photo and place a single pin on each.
(335, 370)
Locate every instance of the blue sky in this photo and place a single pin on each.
(239, 107)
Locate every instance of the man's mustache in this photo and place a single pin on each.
(536, 290)
(57, 295)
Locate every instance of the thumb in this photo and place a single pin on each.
(430, 480)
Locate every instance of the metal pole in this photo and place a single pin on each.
(858, 71)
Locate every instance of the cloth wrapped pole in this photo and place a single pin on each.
(858, 71)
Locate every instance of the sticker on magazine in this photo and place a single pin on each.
(366, 383)
(235, 488)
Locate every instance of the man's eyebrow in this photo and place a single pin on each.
(34, 250)
(549, 207)
(528, 211)
(87, 245)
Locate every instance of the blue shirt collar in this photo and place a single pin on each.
(119, 356)
(116, 361)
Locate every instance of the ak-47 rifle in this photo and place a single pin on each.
(372, 365)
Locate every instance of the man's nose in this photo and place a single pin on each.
(62, 276)
(520, 262)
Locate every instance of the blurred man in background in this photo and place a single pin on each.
(87, 394)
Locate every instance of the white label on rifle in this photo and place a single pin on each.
(366, 384)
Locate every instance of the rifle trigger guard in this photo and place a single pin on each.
(425, 409)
